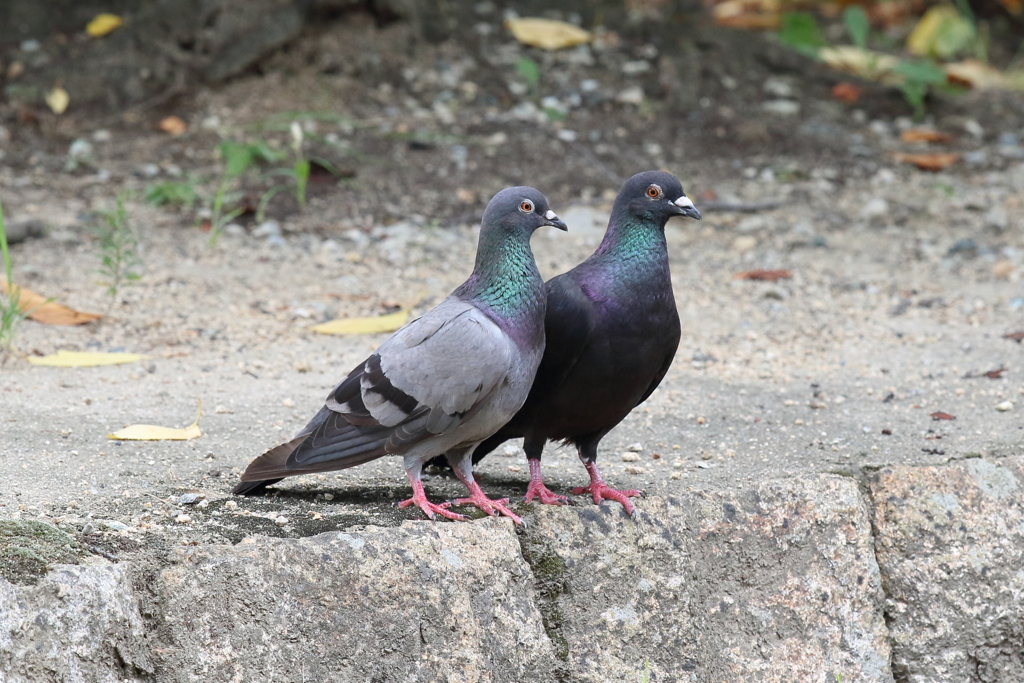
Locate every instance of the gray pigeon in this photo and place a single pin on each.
(612, 330)
(444, 382)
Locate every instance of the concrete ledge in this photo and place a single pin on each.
(776, 582)
(950, 543)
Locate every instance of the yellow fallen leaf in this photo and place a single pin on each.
(83, 359)
(102, 24)
(58, 100)
(547, 34)
(870, 65)
(942, 32)
(381, 323)
(155, 433)
(45, 311)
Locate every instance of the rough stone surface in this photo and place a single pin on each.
(80, 624)
(421, 602)
(950, 544)
(777, 583)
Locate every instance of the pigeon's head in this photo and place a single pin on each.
(520, 209)
(655, 195)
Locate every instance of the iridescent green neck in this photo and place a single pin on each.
(630, 237)
(505, 279)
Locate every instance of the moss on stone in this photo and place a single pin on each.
(28, 548)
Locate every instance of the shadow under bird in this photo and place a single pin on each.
(444, 382)
(612, 330)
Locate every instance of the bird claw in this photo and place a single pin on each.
(491, 506)
(601, 492)
(544, 495)
(430, 509)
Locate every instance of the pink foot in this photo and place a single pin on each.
(537, 488)
(478, 498)
(419, 499)
(601, 491)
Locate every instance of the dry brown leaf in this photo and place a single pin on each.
(48, 312)
(752, 15)
(942, 416)
(971, 73)
(749, 22)
(924, 135)
(847, 92)
(929, 162)
(173, 125)
(763, 275)
(547, 34)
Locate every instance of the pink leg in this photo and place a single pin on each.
(419, 499)
(602, 491)
(537, 487)
(478, 498)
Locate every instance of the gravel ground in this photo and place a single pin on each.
(903, 282)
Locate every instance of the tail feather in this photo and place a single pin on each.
(331, 444)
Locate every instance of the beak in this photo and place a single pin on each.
(552, 219)
(684, 207)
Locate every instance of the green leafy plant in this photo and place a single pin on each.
(530, 72)
(857, 25)
(800, 31)
(238, 158)
(11, 314)
(174, 193)
(298, 173)
(646, 676)
(918, 75)
(119, 247)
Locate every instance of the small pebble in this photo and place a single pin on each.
(630, 457)
(631, 95)
(676, 475)
(635, 447)
(281, 521)
(633, 469)
(781, 107)
(514, 468)
(230, 505)
(328, 496)
(183, 519)
(1004, 406)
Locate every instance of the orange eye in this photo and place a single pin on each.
(653, 191)
(526, 207)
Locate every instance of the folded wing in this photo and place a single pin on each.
(428, 379)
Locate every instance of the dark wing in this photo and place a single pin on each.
(426, 380)
(568, 325)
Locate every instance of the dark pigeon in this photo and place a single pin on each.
(444, 382)
(612, 331)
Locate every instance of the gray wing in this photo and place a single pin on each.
(427, 379)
